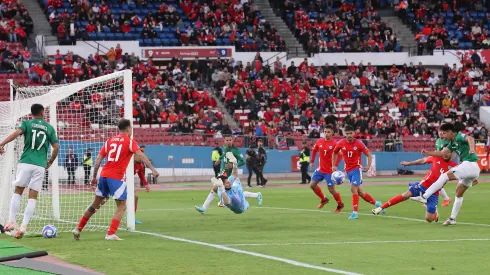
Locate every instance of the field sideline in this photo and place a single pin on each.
(288, 235)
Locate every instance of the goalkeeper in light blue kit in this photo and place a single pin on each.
(231, 190)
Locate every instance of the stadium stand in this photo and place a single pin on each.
(221, 23)
(322, 26)
(447, 24)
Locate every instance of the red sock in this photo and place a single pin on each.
(355, 202)
(337, 198)
(318, 191)
(395, 200)
(82, 223)
(369, 199)
(114, 226)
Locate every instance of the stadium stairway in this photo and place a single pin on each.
(291, 42)
(405, 36)
(41, 25)
(221, 106)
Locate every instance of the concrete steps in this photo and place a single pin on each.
(295, 49)
(404, 34)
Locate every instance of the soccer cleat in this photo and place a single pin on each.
(112, 237)
(377, 210)
(199, 209)
(419, 199)
(137, 222)
(20, 233)
(446, 203)
(322, 203)
(76, 234)
(339, 208)
(10, 227)
(378, 204)
(449, 222)
(221, 204)
(259, 198)
(353, 216)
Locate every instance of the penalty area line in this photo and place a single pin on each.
(360, 242)
(244, 252)
(363, 214)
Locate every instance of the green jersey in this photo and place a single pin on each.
(38, 135)
(461, 146)
(441, 143)
(224, 160)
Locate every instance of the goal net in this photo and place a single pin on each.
(85, 115)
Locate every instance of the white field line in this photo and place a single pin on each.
(364, 214)
(361, 242)
(239, 251)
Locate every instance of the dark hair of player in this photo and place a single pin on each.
(123, 124)
(223, 178)
(329, 126)
(349, 128)
(37, 109)
(448, 127)
(142, 146)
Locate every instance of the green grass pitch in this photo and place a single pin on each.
(288, 235)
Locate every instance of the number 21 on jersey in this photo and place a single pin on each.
(115, 149)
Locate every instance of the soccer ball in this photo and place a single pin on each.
(338, 177)
(49, 231)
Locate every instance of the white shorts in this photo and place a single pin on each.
(466, 172)
(29, 175)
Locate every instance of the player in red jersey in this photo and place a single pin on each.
(324, 171)
(440, 165)
(118, 150)
(352, 150)
(139, 169)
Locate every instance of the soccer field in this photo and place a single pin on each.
(287, 235)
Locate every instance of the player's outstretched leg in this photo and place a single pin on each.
(368, 198)
(257, 196)
(212, 194)
(315, 179)
(435, 186)
(89, 212)
(393, 201)
(336, 196)
(458, 202)
(447, 199)
(136, 198)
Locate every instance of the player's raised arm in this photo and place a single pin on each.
(147, 162)
(10, 138)
(414, 162)
(441, 153)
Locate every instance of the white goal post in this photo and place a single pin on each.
(85, 115)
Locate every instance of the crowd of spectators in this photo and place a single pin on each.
(447, 24)
(325, 26)
(196, 23)
(15, 27)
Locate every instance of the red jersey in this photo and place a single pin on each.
(352, 153)
(139, 168)
(118, 150)
(439, 167)
(325, 149)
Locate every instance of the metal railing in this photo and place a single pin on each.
(286, 142)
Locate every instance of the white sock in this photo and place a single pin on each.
(209, 200)
(458, 202)
(444, 194)
(250, 194)
(14, 207)
(31, 206)
(436, 186)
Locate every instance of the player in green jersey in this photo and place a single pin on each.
(466, 172)
(38, 135)
(440, 144)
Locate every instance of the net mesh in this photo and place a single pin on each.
(84, 115)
